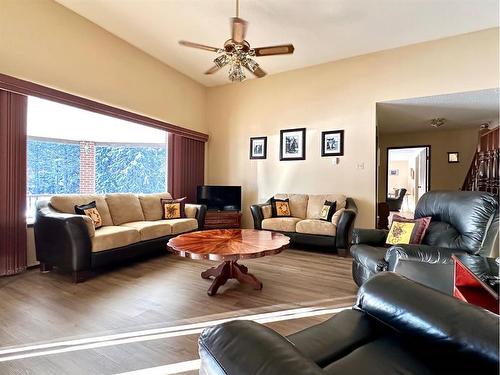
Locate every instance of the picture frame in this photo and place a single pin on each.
(393, 172)
(293, 144)
(453, 157)
(258, 148)
(332, 143)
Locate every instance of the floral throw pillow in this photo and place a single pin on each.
(281, 207)
(90, 210)
(173, 208)
(407, 231)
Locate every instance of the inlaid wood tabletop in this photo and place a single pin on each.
(228, 246)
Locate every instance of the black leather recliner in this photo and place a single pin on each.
(462, 222)
(396, 327)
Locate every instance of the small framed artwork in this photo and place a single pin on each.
(293, 144)
(258, 147)
(393, 172)
(453, 157)
(332, 143)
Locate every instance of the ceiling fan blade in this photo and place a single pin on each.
(199, 46)
(283, 49)
(259, 73)
(213, 69)
(252, 66)
(238, 29)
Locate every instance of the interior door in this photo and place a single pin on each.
(423, 172)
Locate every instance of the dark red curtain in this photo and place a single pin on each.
(13, 113)
(186, 166)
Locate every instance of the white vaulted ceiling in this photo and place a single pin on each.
(321, 30)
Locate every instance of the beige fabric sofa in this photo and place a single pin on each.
(305, 226)
(132, 225)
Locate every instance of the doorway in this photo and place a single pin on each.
(407, 177)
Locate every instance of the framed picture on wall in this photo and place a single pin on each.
(332, 143)
(453, 157)
(393, 172)
(293, 144)
(258, 147)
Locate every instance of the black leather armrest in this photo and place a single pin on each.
(201, 211)
(257, 216)
(419, 253)
(62, 239)
(431, 319)
(344, 229)
(243, 347)
(373, 237)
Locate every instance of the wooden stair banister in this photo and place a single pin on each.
(483, 174)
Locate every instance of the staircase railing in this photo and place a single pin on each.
(483, 174)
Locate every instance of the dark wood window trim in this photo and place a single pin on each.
(20, 86)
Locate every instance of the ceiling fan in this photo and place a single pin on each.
(237, 52)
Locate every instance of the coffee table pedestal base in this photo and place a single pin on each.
(229, 270)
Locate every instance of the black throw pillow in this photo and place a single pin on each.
(281, 207)
(328, 210)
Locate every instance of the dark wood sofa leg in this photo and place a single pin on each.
(44, 267)
(81, 276)
(343, 252)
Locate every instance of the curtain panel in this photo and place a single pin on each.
(13, 237)
(186, 166)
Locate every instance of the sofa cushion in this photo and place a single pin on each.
(282, 224)
(111, 237)
(190, 210)
(124, 208)
(150, 229)
(316, 226)
(182, 225)
(315, 203)
(66, 203)
(151, 205)
(298, 203)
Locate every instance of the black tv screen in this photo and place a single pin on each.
(223, 198)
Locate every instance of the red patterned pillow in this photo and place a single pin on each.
(421, 225)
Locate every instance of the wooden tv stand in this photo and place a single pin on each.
(222, 220)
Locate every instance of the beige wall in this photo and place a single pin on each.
(444, 176)
(44, 42)
(401, 180)
(337, 95)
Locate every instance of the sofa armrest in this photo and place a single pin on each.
(61, 239)
(344, 229)
(433, 320)
(373, 237)
(256, 210)
(419, 253)
(201, 211)
(243, 347)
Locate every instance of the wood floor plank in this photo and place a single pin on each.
(157, 292)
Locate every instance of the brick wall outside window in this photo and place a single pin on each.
(87, 167)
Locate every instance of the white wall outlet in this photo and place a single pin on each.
(335, 161)
(361, 165)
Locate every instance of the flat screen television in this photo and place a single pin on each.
(221, 198)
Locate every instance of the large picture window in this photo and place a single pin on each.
(72, 151)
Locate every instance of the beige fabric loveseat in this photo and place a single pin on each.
(305, 226)
(131, 225)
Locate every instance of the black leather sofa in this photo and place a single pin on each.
(63, 239)
(396, 327)
(340, 242)
(462, 222)
(396, 203)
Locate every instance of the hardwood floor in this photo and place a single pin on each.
(165, 294)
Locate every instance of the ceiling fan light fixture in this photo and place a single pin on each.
(236, 73)
(437, 122)
(251, 65)
(221, 61)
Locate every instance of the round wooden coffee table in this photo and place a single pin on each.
(228, 246)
